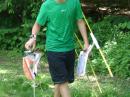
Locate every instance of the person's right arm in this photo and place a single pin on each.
(31, 43)
(40, 21)
(36, 28)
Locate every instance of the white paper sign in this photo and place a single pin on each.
(82, 61)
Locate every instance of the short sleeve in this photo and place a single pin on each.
(42, 15)
(79, 14)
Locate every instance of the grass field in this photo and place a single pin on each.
(14, 84)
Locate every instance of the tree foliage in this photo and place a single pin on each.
(17, 18)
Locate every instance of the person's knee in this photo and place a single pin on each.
(57, 86)
(64, 84)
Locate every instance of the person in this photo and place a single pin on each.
(62, 18)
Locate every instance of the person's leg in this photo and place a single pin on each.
(57, 70)
(57, 90)
(64, 90)
(60, 73)
(70, 61)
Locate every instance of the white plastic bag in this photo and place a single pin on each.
(30, 64)
(82, 61)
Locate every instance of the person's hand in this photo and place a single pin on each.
(30, 44)
(86, 46)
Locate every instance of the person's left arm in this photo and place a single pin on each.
(81, 24)
(83, 31)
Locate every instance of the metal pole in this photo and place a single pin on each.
(96, 79)
(34, 88)
(100, 50)
(90, 66)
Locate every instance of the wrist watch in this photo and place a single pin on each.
(33, 36)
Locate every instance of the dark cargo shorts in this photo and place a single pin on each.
(61, 66)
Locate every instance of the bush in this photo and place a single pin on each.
(114, 39)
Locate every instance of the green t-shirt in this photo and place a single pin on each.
(61, 21)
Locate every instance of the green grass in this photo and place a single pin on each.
(14, 84)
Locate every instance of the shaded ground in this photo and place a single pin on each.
(14, 84)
